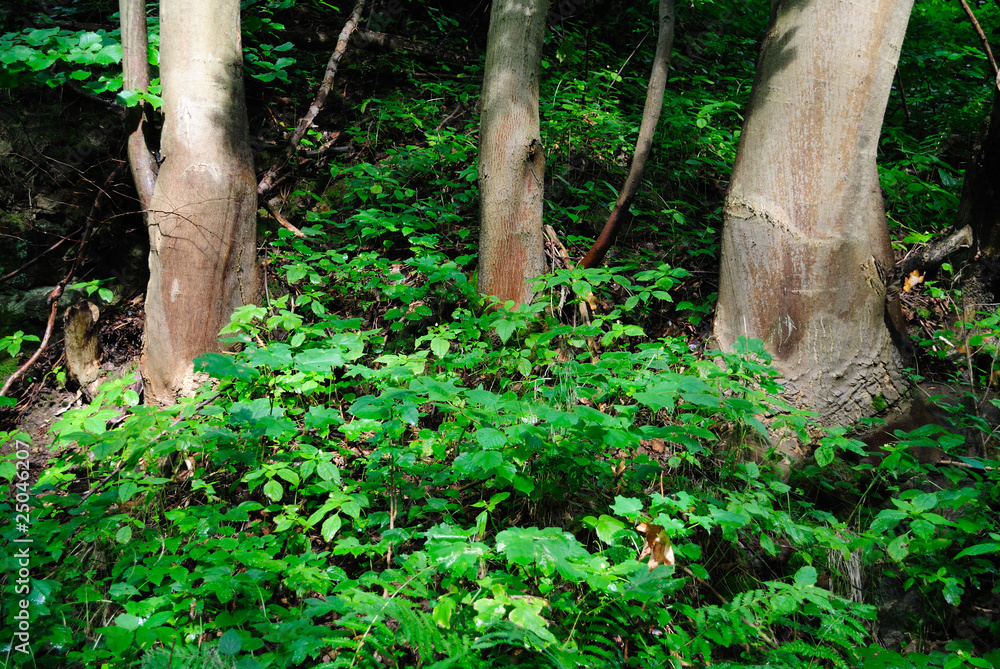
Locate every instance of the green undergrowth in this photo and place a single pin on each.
(460, 486)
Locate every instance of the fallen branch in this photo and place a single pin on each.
(643, 146)
(285, 223)
(53, 300)
(930, 258)
(324, 90)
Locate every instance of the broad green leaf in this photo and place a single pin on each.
(230, 643)
(273, 490)
(607, 527)
(806, 576)
(127, 490)
(442, 611)
(627, 507)
(899, 548)
(505, 329)
(331, 526)
(491, 438)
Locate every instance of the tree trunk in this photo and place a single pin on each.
(650, 117)
(805, 245)
(511, 161)
(202, 259)
(135, 77)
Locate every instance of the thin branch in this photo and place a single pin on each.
(57, 292)
(54, 301)
(902, 95)
(365, 38)
(982, 38)
(643, 146)
(285, 223)
(331, 70)
(11, 274)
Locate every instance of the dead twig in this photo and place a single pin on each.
(982, 38)
(930, 258)
(10, 275)
(53, 299)
(285, 223)
(324, 90)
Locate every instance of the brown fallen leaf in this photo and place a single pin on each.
(657, 545)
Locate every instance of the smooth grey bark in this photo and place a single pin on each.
(805, 245)
(202, 224)
(511, 160)
(135, 77)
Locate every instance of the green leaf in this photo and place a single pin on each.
(527, 614)
(899, 548)
(128, 621)
(607, 527)
(330, 527)
(505, 329)
(273, 490)
(230, 643)
(824, 454)
(806, 576)
(124, 534)
(442, 611)
(320, 360)
(289, 476)
(627, 507)
(440, 346)
(979, 549)
(328, 471)
(126, 491)
(491, 438)
(549, 549)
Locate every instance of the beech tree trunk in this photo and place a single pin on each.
(202, 230)
(511, 161)
(805, 245)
